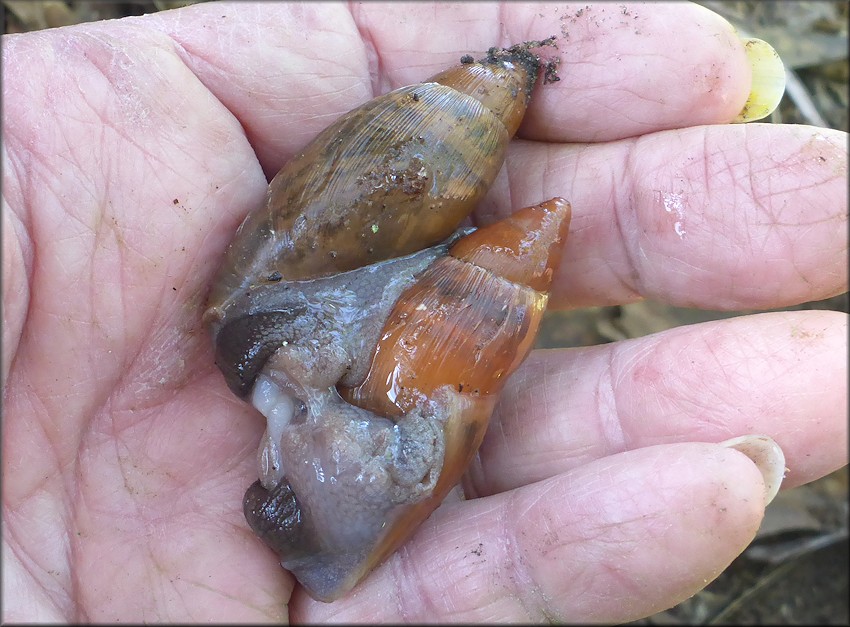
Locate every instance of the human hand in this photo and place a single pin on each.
(134, 148)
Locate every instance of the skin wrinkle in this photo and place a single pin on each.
(22, 575)
(118, 266)
(75, 584)
(623, 361)
(512, 567)
(180, 594)
(99, 231)
(238, 109)
(152, 565)
(706, 405)
(742, 359)
(449, 606)
(814, 185)
(594, 541)
(411, 600)
(606, 403)
(202, 586)
(376, 67)
(622, 205)
(35, 570)
(597, 105)
(588, 102)
(150, 156)
(123, 458)
(22, 255)
(150, 337)
(683, 406)
(138, 457)
(630, 95)
(621, 200)
(113, 82)
(44, 424)
(613, 533)
(192, 57)
(775, 225)
(550, 397)
(47, 183)
(60, 575)
(464, 564)
(190, 54)
(687, 404)
(546, 609)
(749, 194)
(710, 187)
(549, 179)
(23, 248)
(198, 585)
(21, 173)
(772, 223)
(134, 497)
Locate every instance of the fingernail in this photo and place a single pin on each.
(768, 83)
(768, 458)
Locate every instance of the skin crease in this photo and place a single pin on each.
(133, 148)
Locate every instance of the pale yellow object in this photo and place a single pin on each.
(768, 82)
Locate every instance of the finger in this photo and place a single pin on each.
(718, 217)
(626, 70)
(581, 546)
(780, 374)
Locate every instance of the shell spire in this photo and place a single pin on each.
(529, 245)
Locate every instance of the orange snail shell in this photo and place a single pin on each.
(374, 346)
(465, 326)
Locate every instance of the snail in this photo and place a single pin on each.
(371, 332)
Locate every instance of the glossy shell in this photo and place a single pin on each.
(450, 342)
(465, 326)
(391, 177)
(372, 335)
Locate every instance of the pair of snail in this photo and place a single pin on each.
(371, 332)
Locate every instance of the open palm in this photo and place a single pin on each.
(133, 149)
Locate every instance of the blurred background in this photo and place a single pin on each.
(796, 571)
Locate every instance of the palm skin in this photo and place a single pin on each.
(133, 149)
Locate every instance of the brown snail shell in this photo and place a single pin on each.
(373, 340)
(391, 177)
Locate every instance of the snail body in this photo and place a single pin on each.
(371, 332)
